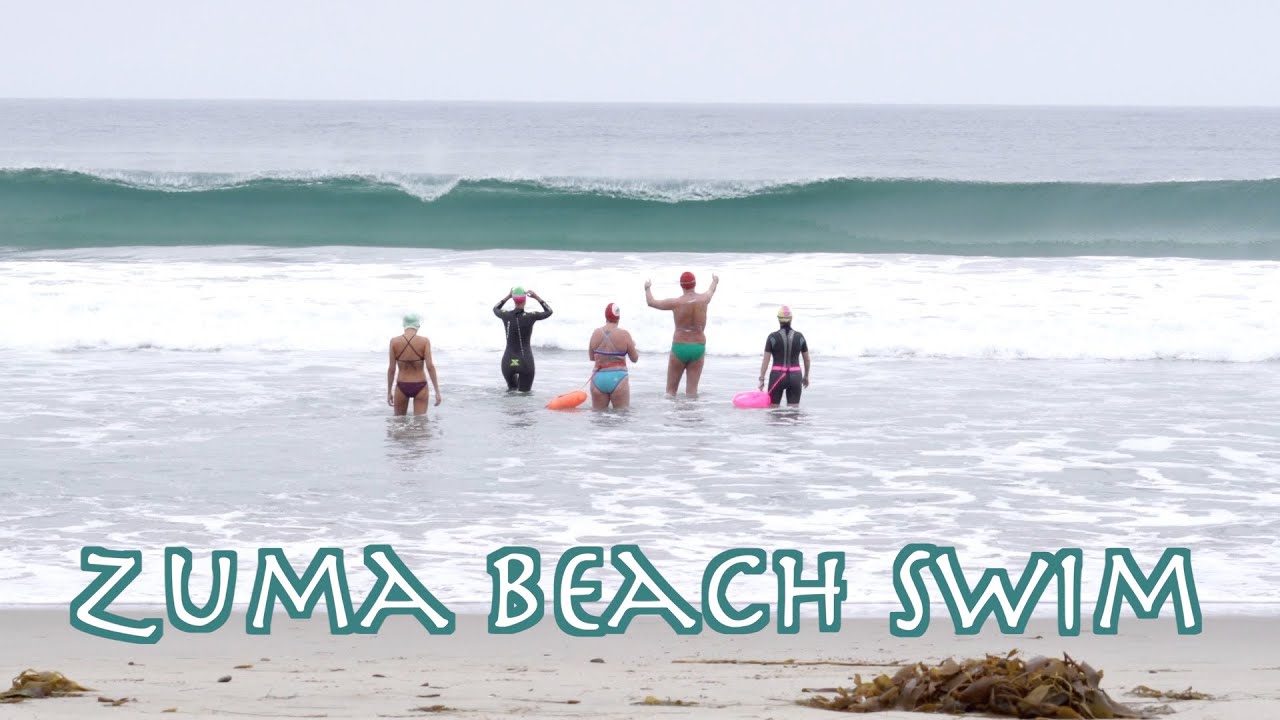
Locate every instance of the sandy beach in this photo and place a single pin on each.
(300, 671)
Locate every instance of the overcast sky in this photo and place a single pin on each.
(1112, 52)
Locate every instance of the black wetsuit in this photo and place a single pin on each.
(517, 359)
(786, 345)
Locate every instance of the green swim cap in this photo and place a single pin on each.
(517, 291)
(412, 321)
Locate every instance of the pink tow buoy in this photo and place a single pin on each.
(751, 399)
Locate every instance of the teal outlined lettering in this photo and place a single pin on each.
(515, 606)
(397, 591)
(828, 591)
(908, 583)
(571, 591)
(645, 592)
(275, 580)
(116, 569)
(1123, 580)
(184, 614)
(719, 614)
(1070, 561)
(971, 608)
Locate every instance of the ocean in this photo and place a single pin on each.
(1031, 328)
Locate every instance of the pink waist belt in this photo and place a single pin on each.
(784, 368)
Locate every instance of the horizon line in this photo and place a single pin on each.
(689, 103)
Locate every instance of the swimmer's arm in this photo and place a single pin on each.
(805, 355)
(497, 309)
(715, 281)
(431, 369)
(391, 368)
(659, 304)
(764, 367)
(633, 352)
(546, 309)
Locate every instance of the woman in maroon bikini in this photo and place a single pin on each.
(411, 356)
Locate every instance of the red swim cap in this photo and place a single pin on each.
(612, 312)
(687, 280)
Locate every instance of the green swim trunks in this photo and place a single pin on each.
(688, 352)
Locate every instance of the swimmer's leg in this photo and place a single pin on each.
(675, 369)
(420, 400)
(599, 401)
(621, 397)
(524, 378)
(695, 374)
(776, 388)
(509, 372)
(401, 401)
(795, 384)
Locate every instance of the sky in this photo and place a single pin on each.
(1035, 52)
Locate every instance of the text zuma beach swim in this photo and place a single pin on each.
(518, 601)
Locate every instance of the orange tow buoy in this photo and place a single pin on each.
(568, 400)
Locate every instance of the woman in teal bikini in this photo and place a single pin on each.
(609, 349)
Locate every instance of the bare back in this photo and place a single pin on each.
(618, 341)
(690, 314)
(410, 352)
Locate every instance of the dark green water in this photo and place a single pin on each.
(1236, 219)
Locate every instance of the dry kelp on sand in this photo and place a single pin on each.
(1188, 694)
(1009, 686)
(32, 684)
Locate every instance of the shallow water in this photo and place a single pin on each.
(145, 449)
(232, 396)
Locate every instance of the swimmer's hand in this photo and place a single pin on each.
(761, 385)
(648, 284)
(438, 398)
(806, 382)
(391, 399)
(533, 295)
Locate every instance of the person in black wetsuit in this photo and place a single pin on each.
(517, 359)
(785, 347)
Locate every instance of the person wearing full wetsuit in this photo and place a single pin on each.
(784, 348)
(517, 359)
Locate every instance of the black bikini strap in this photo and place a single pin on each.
(408, 343)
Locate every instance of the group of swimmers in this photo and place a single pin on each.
(610, 347)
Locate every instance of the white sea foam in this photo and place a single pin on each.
(847, 305)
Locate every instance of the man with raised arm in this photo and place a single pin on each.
(689, 344)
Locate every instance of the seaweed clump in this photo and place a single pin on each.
(31, 684)
(1008, 686)
(1188, 694)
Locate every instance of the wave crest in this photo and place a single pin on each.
(52, 208)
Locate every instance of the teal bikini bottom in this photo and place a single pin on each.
(606, 381)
